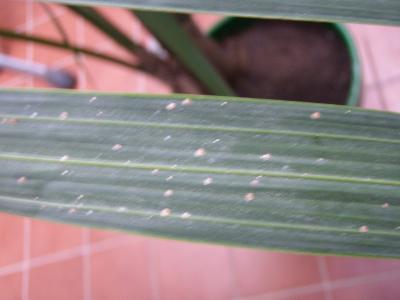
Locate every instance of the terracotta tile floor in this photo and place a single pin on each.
(41, 260)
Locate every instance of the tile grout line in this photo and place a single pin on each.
(86, 261)
(116, 242)
(39, 21)
(154, 278)
(363, 279)
(323, 273)
(65, 255)
(235, 292)
(27, 221)
(26, 258)
(86, 245)
(286, 293)
(71, 253)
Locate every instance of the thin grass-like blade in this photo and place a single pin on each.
(170, 33)
(256, 173)
(9, 34)
(106, 26)
(165, 27)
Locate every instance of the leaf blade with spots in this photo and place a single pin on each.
(269, 174)
(356, 11)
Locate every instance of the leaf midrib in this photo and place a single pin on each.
(91, 121)
(193, 169)
(200, 218)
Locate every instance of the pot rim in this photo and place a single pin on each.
(232, 24)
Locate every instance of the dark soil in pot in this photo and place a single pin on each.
(290, 60)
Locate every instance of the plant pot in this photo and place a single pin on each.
(232, 27)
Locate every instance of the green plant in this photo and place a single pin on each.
(260, 173)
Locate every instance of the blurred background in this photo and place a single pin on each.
(42, 260)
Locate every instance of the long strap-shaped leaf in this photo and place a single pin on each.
(366, 11)
(289, 176)
(166, 29)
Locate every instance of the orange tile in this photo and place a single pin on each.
(11, 239)
(384, 44)
(46, 26)
(12, 81)
(261, 271)
(344, 267)
(15, 48)
(97, 235)
(13, 17)
(61, 281)
(151, 85)
(392, 93)
(39, 11)
(49, 55)
(371, 99)
(206, 21)
(49, 237)
(96, 40)
(10, 287)
(12, 14)
(119, 78)
(378, 49)
(121, 273)
(385, 288)
(191, 271)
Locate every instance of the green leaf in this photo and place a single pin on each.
(317, 178)
(365, 11)
(169, 32)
